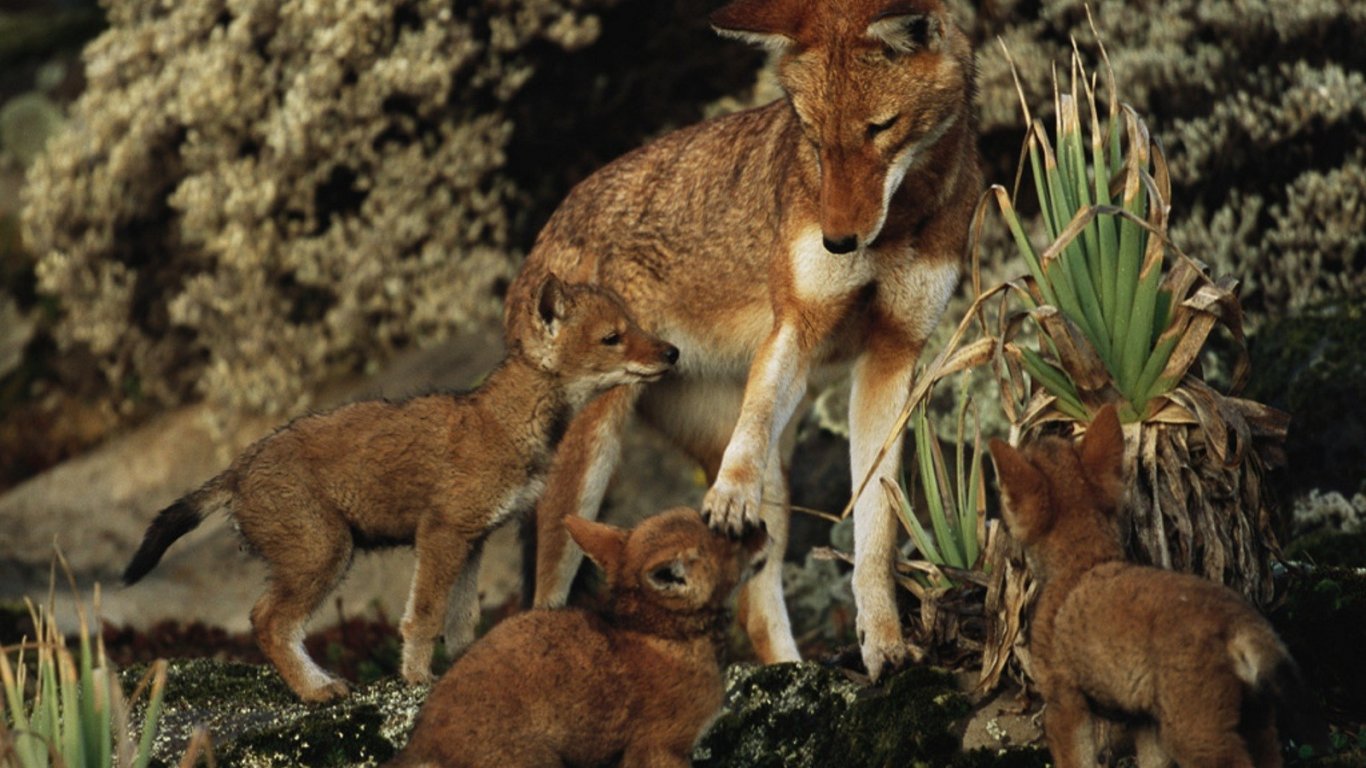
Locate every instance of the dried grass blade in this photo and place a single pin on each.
(1078, 358)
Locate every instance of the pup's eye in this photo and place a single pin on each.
(612, 339)
(878, 127)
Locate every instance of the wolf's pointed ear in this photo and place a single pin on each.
(1024, 494)
(770, 24)
(550, 301)
(905, 26)
(1102, 452)
(604, 544)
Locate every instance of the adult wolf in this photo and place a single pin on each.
(825, 229)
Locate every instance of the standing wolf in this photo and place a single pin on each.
(825, 229)
(439, 472)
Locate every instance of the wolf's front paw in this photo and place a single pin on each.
(882, 652)
(732, 504)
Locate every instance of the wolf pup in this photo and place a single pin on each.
(822, 231)
(636, 681)
(1190, 662)
(439, 472)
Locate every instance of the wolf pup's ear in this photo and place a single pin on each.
(1102, 453)
(551, 303)
(770, 24)
(604, 544)
(1024, 493)
(669, 578)
(905, 27)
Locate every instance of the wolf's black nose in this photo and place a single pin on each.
(671, 353)
(840, 244)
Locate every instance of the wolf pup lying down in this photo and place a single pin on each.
(439, 472)
(636, 681)
(1190, 662)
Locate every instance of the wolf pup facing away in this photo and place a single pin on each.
(439, 472)
(821, 231)
(1194, 666)
(636, 681)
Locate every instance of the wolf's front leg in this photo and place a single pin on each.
(1070, 729)
(777, 382)
(441, 554)
(579, 474)
(881, 384)
(462, 608)
(911, 298)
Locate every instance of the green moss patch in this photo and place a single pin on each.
(1322, 619)
(796, 715)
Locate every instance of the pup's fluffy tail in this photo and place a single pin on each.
(173, 522)
(1264, 664)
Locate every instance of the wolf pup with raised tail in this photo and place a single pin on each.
(438, 472)
(1195, 673)
(822, 232)
(633, 683)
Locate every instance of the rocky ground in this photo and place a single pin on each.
(804, 715)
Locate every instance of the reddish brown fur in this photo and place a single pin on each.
(1185, 655)
(713, 237)
(439, 472)
(636, 681)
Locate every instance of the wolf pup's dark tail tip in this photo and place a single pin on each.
(170, 524)
(1298, 712)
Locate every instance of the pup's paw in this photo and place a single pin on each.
(418, 675)
(331, 690)
(732, 504)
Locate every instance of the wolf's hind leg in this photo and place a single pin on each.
(296, 588)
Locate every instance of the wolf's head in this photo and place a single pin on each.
(671, 573)
(875, 85)
(583, 334)
(1060, 497)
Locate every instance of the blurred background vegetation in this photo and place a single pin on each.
(241, 200)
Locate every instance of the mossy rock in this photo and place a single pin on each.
(255, 720)
(795, 715)
(1311, 365)
(788, 715)
(1330, 548)
(1322, 619)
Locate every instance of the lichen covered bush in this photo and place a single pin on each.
(256, 196)
(1261, 107)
